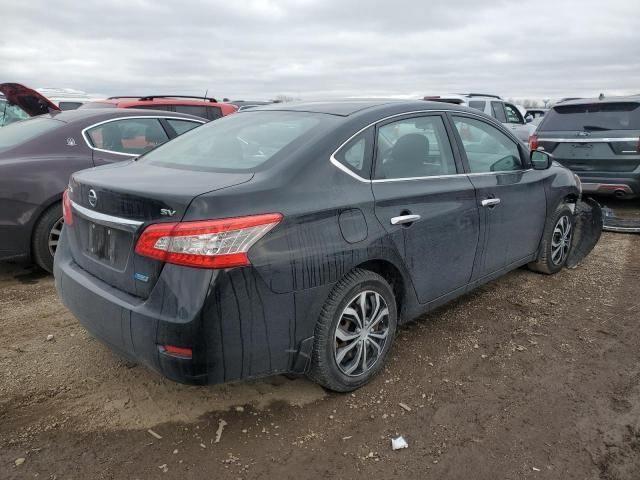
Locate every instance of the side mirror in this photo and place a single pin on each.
(541, 160)
(528, 118)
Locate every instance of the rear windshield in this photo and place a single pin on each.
(240, 142)
(593, 117)
(20, 132)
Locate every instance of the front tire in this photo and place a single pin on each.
(46, 236)
(354, 333)
(556, 242)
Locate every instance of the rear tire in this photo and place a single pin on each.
(46, 235)
(354, 333)
(556, 242)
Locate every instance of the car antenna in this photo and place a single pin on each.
(205, 95)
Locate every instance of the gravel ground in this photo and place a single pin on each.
(527, 377)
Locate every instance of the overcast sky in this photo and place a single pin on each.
(256, 49)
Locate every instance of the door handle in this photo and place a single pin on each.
(490, 202)
(403, 219)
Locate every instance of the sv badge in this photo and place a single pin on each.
(167, 212)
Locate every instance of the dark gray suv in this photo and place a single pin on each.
(599, 139)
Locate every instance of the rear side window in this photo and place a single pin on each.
(240, 143)
(133, 136)
(498, 111)
(69, 105)
(20, 132)
(182, 126)
(197, 110)
(593, 117)
(413, 148)
(356, 154)
(477, 104)
(98, 105)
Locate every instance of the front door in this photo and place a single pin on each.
(425, 203)
(510, 196)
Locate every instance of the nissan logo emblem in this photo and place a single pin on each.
(93, 197)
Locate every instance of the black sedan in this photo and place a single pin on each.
(38, 155)
(295, 238)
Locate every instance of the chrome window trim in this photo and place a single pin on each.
(107, 220)
(354, 175)
(85, 136)
(587, 140)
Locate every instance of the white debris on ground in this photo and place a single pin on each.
(221, 425)
(399, 443)
(154, 434)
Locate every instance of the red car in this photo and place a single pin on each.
(204, 107)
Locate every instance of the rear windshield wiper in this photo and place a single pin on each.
(590, 128)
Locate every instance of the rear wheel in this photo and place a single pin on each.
(355, 332)
(46, 236)
(556, 242)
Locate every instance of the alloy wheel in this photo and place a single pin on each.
(361, 333)
(561, 240)
(54, 236)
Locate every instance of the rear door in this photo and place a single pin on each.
(425, 204)
(122, 139)
(593, 139)
(510, 196)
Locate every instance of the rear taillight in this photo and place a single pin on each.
(207, 244)
(66, 208)
(179, 352)
(533, 142)
(638, 147)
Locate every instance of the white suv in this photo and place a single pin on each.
(506, 113)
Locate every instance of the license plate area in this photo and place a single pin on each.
(104, 244)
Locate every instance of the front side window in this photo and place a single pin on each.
(513, 115)
(487, 148)
(414, 147)
(182, 126)
(133, 136)
(498, 111)
(241, 142)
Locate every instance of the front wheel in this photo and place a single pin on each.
(556, 242)
(354, 333)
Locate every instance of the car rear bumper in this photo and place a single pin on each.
(610, 184)
(235, 325)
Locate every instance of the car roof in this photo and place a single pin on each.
(99, 114)
(345, 108)
(584, 101)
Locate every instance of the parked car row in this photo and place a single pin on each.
(285, 238)
(506, 113)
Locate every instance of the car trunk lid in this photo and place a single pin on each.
(32, 102)
(113, 204)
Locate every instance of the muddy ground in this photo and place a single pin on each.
(528, 377)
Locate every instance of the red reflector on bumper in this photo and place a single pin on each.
(174, 351)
